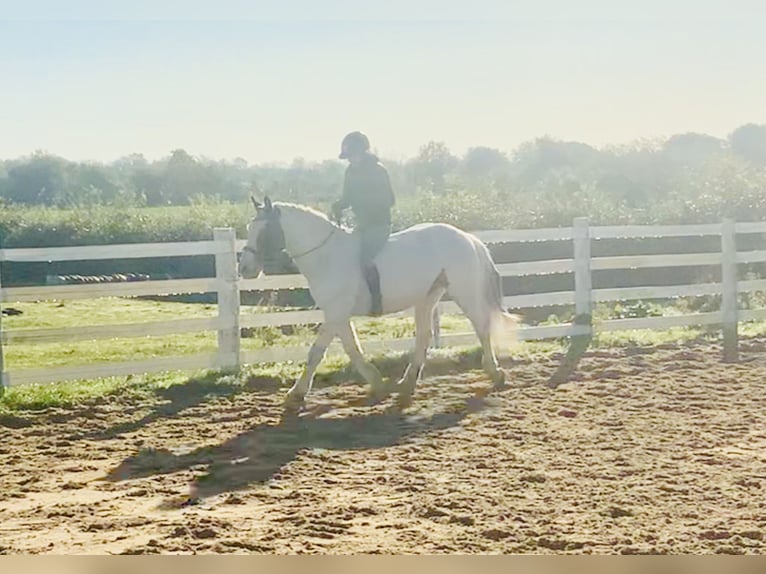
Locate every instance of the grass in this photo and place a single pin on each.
(73, 314)
(117, 310)
(105, 311)
(114, 310)
(69, 393)
(333, 370)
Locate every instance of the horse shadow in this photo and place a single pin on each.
(214, 384)
(180, 397)
(175, 399)
(259, 454)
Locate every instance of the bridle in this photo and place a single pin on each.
(254, 251)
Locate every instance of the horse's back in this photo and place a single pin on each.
(420, 231)
(427, 226)
(429, 245)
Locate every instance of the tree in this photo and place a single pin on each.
(90, 184)
(431, 166)
(484, 162)
(185, 178)
(749, 142)
(543, 157)
(692, 149)
(39, 180)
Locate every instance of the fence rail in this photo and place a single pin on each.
(229, 319)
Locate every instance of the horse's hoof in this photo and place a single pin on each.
(404, 392)
(293, 402)
(378, 393)
(289, 417)
(372, 399)
(403, 402)
(405, 386)
(499, 382)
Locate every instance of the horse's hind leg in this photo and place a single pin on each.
(489, 362)
(369, 372)
(423, 333)
(480, 316)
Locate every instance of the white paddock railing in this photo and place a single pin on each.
(229, 320)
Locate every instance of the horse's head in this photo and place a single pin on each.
(265, 240)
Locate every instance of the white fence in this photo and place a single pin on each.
(229, 321)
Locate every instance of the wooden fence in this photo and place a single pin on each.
(229, 321)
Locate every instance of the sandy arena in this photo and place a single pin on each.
(646, 450)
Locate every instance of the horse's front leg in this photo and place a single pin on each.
(302, 386)
(347, 335)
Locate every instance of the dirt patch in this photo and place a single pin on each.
(662, 451)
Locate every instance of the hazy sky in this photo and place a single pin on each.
(270, 81)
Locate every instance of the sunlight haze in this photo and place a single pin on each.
(271, 90)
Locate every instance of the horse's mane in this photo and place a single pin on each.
(305, 209)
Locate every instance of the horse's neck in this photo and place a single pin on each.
(305, 233)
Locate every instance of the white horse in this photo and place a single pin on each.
(417, 267)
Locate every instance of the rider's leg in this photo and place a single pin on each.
(372, 240)
(372, 277)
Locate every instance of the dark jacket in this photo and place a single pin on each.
(367, 191)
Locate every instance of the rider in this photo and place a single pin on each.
(367, 191)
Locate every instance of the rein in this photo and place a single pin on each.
(315, 248)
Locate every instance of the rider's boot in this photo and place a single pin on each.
(373, 282)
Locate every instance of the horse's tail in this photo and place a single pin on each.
(503, 325)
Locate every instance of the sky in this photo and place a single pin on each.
(272, 81)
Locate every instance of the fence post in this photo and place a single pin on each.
(583, 302)
(582, 277)
(228, 298)
(729, 318)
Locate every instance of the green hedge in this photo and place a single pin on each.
(40, 227)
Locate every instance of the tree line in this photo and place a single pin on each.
(690, 171)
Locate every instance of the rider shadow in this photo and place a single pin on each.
(259, 454)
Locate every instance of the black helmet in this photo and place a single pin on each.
(354, 142)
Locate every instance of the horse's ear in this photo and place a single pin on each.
(257, 205)
(267, 203)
